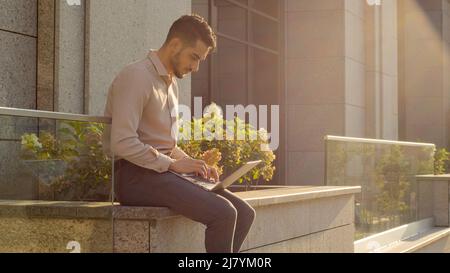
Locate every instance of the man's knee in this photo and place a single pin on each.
(225, 212)
(228, 212)
(249, 214)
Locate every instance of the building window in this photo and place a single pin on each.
(245, 69)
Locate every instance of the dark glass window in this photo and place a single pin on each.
(245, 69)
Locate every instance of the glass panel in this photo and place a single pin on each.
(386, 173)
(14, 183)
(231, 20)
(231, 73)
(264, 32)
(269, 7)
(55, 186)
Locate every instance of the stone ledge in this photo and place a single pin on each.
(419, 242)
(55, 209)
(256, 199)
(101, 210)
(294, 194)
(283, 215)
(432, 177)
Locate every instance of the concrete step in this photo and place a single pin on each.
(417, 242)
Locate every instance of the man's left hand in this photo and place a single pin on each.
(213, 174)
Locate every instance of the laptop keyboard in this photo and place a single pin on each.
(197, 180)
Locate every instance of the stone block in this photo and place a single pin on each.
(131, 236)
(19, 16)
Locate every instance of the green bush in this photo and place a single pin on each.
(77, 166)
(441, 159)
(227, 155)
(392, 182)
(78, 169)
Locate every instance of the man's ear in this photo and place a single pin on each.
(175, 45)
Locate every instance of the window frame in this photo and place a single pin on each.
(280, 176)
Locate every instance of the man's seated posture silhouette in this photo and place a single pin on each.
(140, 101)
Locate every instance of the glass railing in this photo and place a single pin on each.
(55, 183)
(386, 172)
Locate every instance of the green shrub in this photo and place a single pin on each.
(228, 155)
(441, 159)
(77, 167)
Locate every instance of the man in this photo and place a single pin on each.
(140, 101)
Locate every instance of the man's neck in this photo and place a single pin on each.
(163, 56)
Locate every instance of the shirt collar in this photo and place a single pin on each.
(153, 56)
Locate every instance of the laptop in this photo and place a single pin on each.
(209, 186)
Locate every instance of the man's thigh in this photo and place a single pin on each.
(168, 190)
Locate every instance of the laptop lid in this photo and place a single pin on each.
(236, 175)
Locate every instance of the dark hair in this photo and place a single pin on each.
(190, 29)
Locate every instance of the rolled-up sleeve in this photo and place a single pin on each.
(130, 93)
(178, 153)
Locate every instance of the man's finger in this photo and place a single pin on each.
(202, 171)
(209, 175)
(216, 175)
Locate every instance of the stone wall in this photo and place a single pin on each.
(117, 34)
(62, 56)
(288, 219)
(18, 39)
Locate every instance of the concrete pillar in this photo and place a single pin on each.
(424, 71)
(381, 42)
(45, 52)
(119, 32)
(69, 56)
(325, 76)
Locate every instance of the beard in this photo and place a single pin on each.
(175, 62)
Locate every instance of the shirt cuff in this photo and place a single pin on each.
(163, 164)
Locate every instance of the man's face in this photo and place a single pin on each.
(188, 59)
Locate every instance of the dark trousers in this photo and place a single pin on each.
(227, 217)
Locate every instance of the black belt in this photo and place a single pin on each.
(118, 164)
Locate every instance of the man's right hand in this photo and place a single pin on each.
(189, 165)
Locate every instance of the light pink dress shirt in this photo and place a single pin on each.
(140, 101)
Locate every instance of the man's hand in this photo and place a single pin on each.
(189, 165)
(199, 167)
(213, 174)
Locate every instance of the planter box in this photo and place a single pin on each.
(288, 219)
